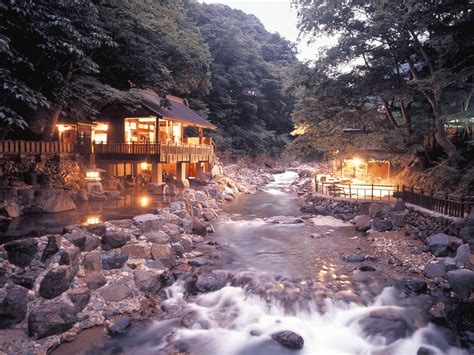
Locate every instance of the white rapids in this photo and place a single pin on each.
(230, 321)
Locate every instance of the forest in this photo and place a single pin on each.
(69, 58)
(405, 86)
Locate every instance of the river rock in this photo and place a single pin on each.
(461, 282)
(289, 339)
(120, 326)
(97, 229)
(91, 261)
(54, 201)
(413, 286)
(148, 281)
(212, 281)
(462, 256)
(189, 319)
(390, 323)
(379, 209)
(178, 249)
(79, 297)
(55, 282)
(435, 270)
(114, 239)
(382, 224)
(399, 206)
(199, 262)
(441, 244)
(158, 237)
(77, 237)
(12, 209)
(354, 258)
(52, 247)
(199, 228)
(399, 219)
(139, 250)
(467, 234)
(163, 253)
(362, 223)
(13, 306)
(186, 242)
(149, 222)
(22, 251)
(25, 279)
(51, 319)
(113, 260)
(95, 280)
(116, 291)
(27, 193)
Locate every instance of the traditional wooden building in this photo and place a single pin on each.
(147, 138)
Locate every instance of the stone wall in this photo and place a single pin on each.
(392, 215)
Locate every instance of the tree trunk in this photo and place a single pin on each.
(53, 119)
(406, 117)
(388, 113)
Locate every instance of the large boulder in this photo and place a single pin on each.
(461, 282)
(399, 219)
(149, 222)
(211, 281)
(52, 247)
(22, 251)
(199, 228)
(114, 239)
(158, 237)
(390, 323)
(25, 279)
(12, 209)
(289, 339)
(55, 282)
(94, 280)
(120, 326)
(362, 223)
(462, 256)
(467, 234)
(54, 201)
(164, 254)
(435, 270)
(139, 250)
(114, 260)
(13, 306)
(116, 291)
(382, 224)
(442, 244)
(148, 281)
(51, 319)
(79, 297)
(92, 262)
(379, 209)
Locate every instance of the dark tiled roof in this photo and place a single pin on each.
(173, 108)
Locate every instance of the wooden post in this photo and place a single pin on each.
(372, 195)
(350, 191)
(446, 203)
(461, 201)
(157, 173)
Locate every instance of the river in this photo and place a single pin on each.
(286, 277)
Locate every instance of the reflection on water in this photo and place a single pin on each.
(132, 203)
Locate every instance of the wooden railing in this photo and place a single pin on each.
(358, 191)
(451, 205)
(35, 147)
(125, 148)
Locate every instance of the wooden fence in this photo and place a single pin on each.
(35, 148)
(358, 191)
(451, 205)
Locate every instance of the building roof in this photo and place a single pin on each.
(171, 107)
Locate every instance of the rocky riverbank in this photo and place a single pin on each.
(54, 286)
(434, 248)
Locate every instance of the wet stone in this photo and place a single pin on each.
(22, 251)
(55, 282)
(50, 319)
(116, 291)
(354, 258)
(52, 247)
(95, 280)
(189, 319)
(13, 306)
(441, 244)
(148, 281)
(120, 326)
(79, 298)
(114, 261)
(114, 239)
(26, 279)
(434, 270)
(289, 339)
(199, 262)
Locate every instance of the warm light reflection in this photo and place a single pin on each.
(144, 201)
(93, 220)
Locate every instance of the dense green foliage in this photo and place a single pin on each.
(398, 74)
(71, 57)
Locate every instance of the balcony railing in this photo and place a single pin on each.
(35, 147)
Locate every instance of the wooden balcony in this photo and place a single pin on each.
(157, 152)
(35, 148)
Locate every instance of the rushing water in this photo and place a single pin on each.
(241, 319)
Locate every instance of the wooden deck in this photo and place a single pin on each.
(158, 152)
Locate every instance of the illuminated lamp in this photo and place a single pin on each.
(356, 162)
(144, 201)
(93, 220)
(145, 166)
(93, 174)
